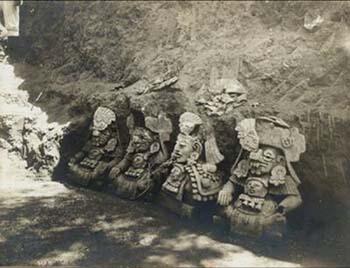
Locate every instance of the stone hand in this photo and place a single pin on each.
(276, 218)
(167, 163)
(142, 184)
(225, 195)
(101, 169)
(114, 172)
(289, 203)
(71, 163)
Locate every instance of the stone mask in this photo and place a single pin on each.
(141, 140)
(262, 161)
(100, 137)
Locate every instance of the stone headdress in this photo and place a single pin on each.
(274, 132)
(103, 117)
(192, 125)
(161, 127)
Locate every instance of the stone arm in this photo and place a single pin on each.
(125, 162)
(81, 154)
(289, 203)
(114, 157)
(226, 194)
(121, 166)
(77, 157)
(161, 172)
(164, 168)
(116, 160)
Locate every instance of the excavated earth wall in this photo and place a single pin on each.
(292, 57)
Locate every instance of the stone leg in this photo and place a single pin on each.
(275, 226)
(125, 188)
(176, 206)
(187, 211)
(78, 176)
(220, 219)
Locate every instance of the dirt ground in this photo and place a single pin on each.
(48, 223)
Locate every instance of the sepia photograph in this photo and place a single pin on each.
(174, 133)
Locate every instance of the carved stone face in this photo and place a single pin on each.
(262, 161)
(255, 188)
(183, 150)
(141, 140)
(187, 149)
(100, 137)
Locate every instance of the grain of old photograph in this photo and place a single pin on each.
(174, 133)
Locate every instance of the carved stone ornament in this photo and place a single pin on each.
(188, 121)
(242, 169)
(278, 175)
(103, 117)
(248, 137)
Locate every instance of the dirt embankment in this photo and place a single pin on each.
(292, 57)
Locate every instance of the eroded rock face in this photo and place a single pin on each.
(24, 129)
(300, 76)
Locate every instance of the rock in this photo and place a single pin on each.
(312, 21)
(147, 240)
(160, 84)
(4, 144)
(227, 95)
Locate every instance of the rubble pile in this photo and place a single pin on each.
(223, 97)
(25, 131)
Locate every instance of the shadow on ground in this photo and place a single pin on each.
(93, 228)
(83, 227)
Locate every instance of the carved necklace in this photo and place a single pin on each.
(252, 202)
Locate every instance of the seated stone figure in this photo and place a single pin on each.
(132, 178)
(193, 182)
(91, 165)
(265, 180)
